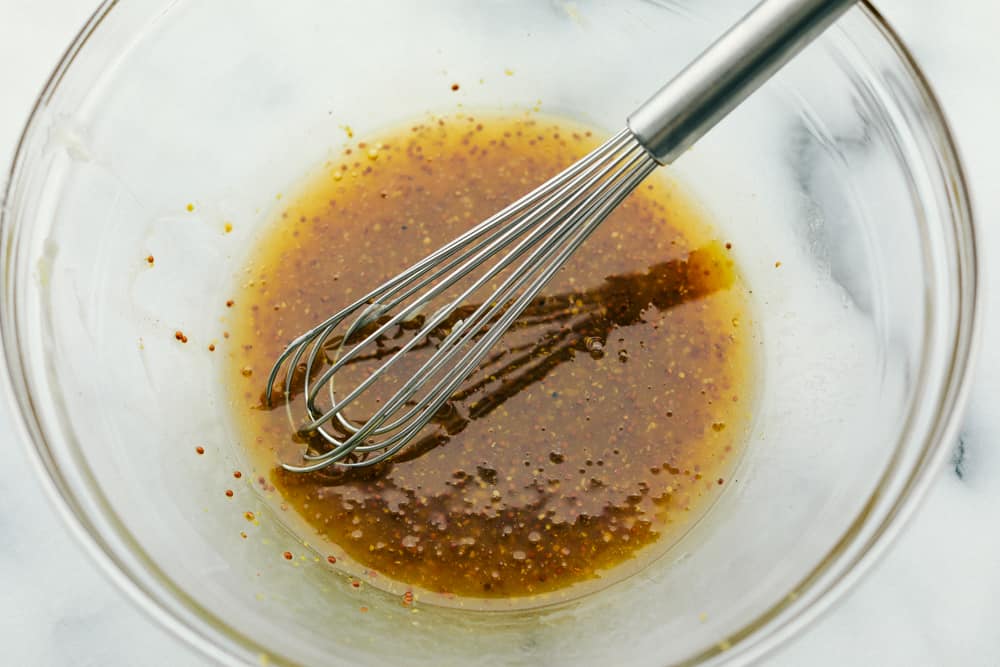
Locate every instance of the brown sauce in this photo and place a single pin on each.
(606, 421)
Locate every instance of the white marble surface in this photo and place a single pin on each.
(933, 600)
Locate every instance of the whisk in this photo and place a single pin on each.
(516, 252)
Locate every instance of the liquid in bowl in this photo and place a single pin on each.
(602, 426)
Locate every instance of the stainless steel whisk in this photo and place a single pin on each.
(530, 240)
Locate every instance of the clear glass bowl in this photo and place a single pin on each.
(842, 169)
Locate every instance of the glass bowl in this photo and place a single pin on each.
(838, 185)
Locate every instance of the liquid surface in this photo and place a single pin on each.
(605, 423)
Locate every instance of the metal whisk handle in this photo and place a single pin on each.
(727, 72)
(514, 254)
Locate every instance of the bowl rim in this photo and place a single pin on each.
(171, 608)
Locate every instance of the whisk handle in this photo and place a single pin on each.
(728, 71)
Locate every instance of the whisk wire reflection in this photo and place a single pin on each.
(524, 246)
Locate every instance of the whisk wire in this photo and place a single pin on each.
(544, 228)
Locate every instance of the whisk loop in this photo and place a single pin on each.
(531, 240)
(523, 246)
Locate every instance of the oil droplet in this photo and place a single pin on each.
(595, 347)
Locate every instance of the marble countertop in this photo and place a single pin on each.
(932, 600)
